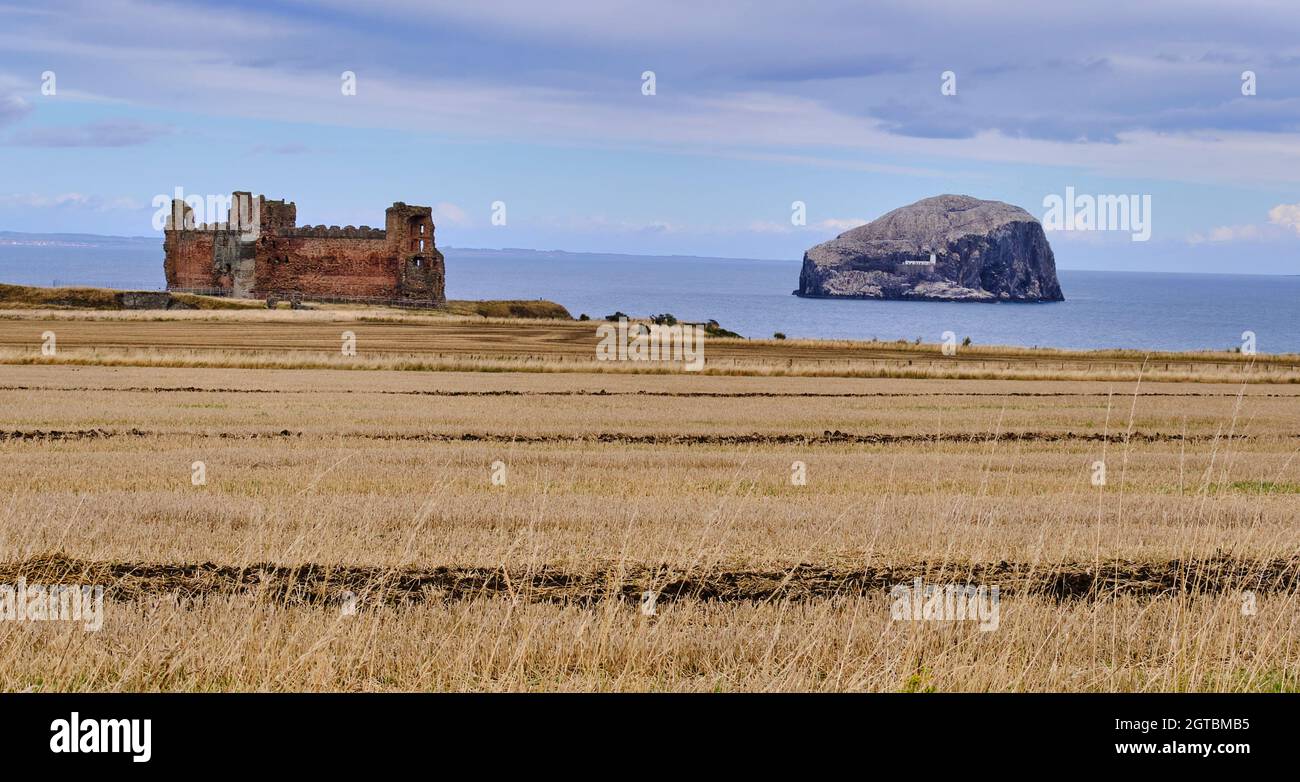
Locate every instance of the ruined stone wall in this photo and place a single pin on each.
(421, 268)
(260, 252)
(277, 215)
(326, 266)
(188, 260)
(423, 278)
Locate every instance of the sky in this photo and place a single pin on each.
(665, 127)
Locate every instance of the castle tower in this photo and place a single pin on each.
(421, 267)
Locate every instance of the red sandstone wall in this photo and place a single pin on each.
(312, 260)
(326, 267)
(188, 261)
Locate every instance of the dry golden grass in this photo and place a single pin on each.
(243, 643)
(637, 480)
(442, 341)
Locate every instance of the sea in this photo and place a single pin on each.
(1102, 309)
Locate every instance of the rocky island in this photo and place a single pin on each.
(945, 248)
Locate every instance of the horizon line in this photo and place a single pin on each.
(667, 255)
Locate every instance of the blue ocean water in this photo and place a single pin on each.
(1141, 310)
(1153, 311)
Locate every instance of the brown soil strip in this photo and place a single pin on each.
(323, 584)
(756, 438)
(669, 394)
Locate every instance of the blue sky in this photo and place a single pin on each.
(757, 105)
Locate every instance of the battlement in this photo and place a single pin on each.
(334, 232)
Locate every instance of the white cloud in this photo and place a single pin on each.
(770, 227)
(1228, 233)
(1286, 215)
(108, 133)
(841, 225)
(190, 58)
(12, 107)
(1283, 220)
(447, 212)
(603, 224)
(835, 224)
(69, 201)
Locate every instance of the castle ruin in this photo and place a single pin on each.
(261, 252)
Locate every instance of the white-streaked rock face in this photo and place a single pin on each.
(982, 250)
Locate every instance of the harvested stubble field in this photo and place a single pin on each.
(439, 341)
(1180, 573)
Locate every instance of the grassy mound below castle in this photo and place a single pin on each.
(34, 297)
